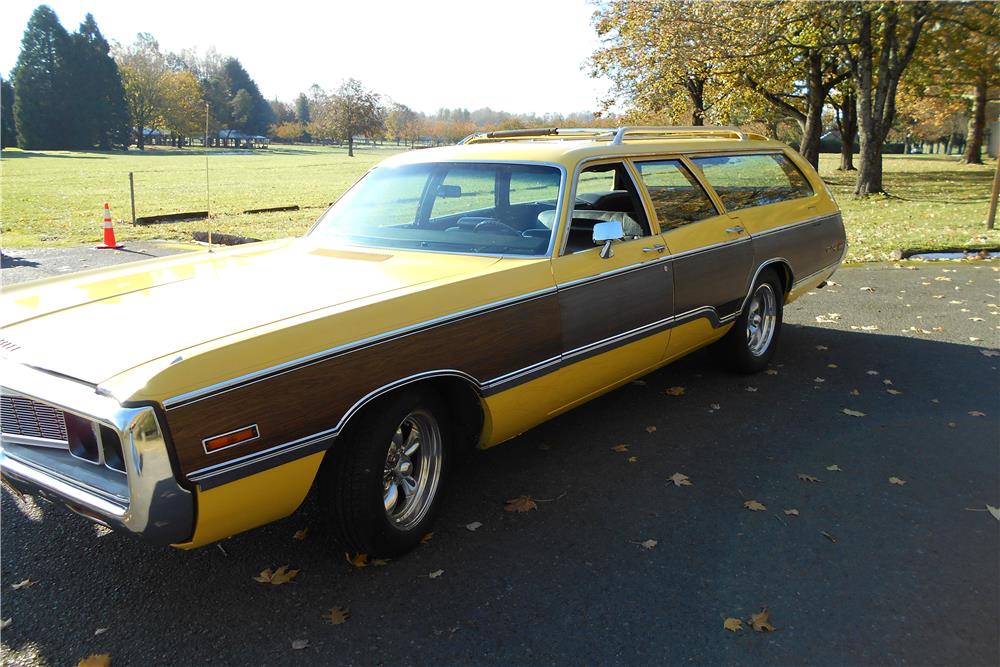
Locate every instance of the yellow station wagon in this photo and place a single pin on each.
(453, 298)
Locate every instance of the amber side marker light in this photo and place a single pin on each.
(224, 440)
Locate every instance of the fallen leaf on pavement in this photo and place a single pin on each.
(751, 389)
(755, 506)
(995, 511)
(818, 380)
(427, 538)
(732, 624)
(791, 512)
(828, 536)
(831, 365)
(976, 413)
(867, 289)
(357, 560)
(100, 660)
(474, 525)
(337, 616)
(435, 574)
(674, 391)
(771, 371)
(897, 481)
(871, 372)
(715, 406)
(834, 468)
(648, 544)
(821, 348)
(27, 583)
(621, 449)
(280, 576)
(680, 479)
(650, 429)
(632, 459)
(852, 413)
(300, 534)
(855, 392)
(761, 622)
(893, 392)
(299, 644)
(5, 622)
(100, 631)
(808, 478)
(520, 504)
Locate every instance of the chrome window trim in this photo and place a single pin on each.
(560, 199)
(157, 507)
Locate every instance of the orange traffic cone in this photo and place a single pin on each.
(109, 232)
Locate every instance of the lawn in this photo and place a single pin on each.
(55, 198)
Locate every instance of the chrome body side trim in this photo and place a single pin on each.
(155, 505)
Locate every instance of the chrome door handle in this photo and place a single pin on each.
(657, 248)
(738, 229)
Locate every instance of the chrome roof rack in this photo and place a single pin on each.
(615, 135)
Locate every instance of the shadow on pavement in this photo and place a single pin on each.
(8, 261)
(868, 572)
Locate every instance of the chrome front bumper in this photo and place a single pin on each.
(149, 502)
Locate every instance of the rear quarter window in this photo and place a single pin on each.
(744, 181)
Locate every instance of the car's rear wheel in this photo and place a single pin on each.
(382, 483)
(750, 344)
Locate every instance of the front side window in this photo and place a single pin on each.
(677, 197)
(743, 181)
(605, 192)
(475, 208)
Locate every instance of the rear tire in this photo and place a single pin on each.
(751, 343)
(381, 484)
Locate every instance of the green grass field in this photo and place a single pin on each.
(55, 198)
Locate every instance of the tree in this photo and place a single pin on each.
(42, 84)
(8, 132)
(353, 110)
(845, 104)
(183, 108)
(101, 115)
(302, 109)
(241, 108)
(255, 112)
(878, 40)
(143, 69)
(399, 122)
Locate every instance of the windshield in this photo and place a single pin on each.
(465, 207)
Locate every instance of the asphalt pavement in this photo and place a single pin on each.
(868, 572)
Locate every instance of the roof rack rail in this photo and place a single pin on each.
(614, 135)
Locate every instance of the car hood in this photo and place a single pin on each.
(95, 325)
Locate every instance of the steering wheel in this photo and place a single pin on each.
(488, 225)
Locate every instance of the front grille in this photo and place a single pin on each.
(23, 416)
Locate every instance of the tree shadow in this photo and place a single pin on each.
(20, 154)
(898, 546)
(8, 261)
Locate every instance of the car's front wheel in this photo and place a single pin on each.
(750, 344)
(382, 482)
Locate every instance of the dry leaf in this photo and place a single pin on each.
(818, 380)
(475, 525)
(887, 382)
(995, 511)
(973, 339)
(650, 429)
(648, 544)
(852, 413)
(808, 478)
(674, 391)
(871, 372)
(761, 622)
(831, 365)
(893, 392)
(771, 371)
(680, 479)
(828, 536)
(632, 459)
(520, 504)
(621, 449)
(976, 413)
(357, 560)
(952, 424)
(337, 615)
(100, 631)
(733, 624)
(855, 392)
(280, 576)
(791, 512)
(427, 538)
(100, 660)
(27, 583)
(985, 352)
(751, 389)
(435, 574)
(301, 534)
(867, 289)
(5, 622)
(299, 644)
(834, 468)
(755, 506)
(821, 348)
(715, 406)
(897, 481)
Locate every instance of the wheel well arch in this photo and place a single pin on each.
(782, 268)
(460, 391)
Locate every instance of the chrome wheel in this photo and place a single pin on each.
(762, 319)
(412, 469)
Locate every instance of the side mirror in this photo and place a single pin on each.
(606, 232)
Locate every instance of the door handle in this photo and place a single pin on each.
(738, 229)
(657, 248)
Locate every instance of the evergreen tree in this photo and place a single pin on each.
(101, 110)
(302, 109)
(8, 135)
(42, 86)
(259, 115)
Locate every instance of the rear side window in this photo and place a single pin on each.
(743, 181)
(677, 197)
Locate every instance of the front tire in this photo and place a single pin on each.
(751, 343)
(381, 485)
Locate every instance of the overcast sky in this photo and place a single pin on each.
(515, 55)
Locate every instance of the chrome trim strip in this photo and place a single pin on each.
(32, 441)
(204, 442)
(40, 479)
(308, 360)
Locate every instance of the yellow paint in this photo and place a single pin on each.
(252, 501)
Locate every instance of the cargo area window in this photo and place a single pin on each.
(744, 181)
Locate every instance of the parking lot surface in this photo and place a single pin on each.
(869, 570)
